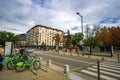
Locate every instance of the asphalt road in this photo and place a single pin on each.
(75, 63)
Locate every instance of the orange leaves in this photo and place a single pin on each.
(115, 32)
(58, 38)
(109, 36)
(104, 36)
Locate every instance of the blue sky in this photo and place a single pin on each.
(18, 16)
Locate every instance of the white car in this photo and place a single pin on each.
(29, 50)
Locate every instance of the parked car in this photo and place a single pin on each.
(29, 50)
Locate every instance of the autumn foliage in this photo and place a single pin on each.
(108, 36)
(58, 38)
(115, 35)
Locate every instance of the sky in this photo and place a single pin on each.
(18, 16)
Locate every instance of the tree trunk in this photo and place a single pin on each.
(90, 49)
(112, 50)
(104, 49)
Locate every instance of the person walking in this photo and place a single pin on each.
(16, 50)
(70, 51)
(1, 59)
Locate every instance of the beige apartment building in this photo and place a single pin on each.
(40, 34)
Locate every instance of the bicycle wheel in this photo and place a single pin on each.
(10, 65)
(20, 67)
(36, 65)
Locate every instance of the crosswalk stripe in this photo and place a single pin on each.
(105, 72)
(112, 63)
(95, 74)
(107, 69)
(117, 66)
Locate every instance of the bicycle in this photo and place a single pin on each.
(22, 65)
(11, 61)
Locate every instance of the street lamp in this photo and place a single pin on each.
(82, 28)
(81, 21)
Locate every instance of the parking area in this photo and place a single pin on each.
(29, 75)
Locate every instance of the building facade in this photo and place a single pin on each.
(22, 40)
(40, 34)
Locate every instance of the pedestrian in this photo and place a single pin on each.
(1, 59)
(22, 50)
(23, 53)
(70, 51)
(17, 50)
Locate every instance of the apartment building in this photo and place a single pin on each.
(40, 34)
(22, 40)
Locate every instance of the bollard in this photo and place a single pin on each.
(64, 53)
(66, 69)
(89, 56)
(102, 58)
(98, 69)
(49, 62)
(40, 61)
(40, 58)
(118, 58)
(70, 53)
(78, 54)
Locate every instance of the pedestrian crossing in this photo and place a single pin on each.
(108, 70)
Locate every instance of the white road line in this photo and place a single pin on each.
(105, 72)
(95, 74)
(109, 66)
(114, 65)
(69, 59)
(108, 69)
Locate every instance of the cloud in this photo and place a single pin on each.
(110, 20)
(75, 28)
(21, 15)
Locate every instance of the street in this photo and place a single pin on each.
(73, 62)
(108, 70)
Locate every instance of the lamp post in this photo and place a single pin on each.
(82, 29)
(81, 21)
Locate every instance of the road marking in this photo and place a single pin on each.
(106, 62)
(95, 74)
(75, 77)
(109, 66)
(107, 69)
(112, 65)
(69, 59)
(105, 72)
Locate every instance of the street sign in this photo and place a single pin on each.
(8, 48)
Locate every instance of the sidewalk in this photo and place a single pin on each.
(71, 75)
(28, 75)
(54, 73)
(96, 56)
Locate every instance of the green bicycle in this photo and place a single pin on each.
(11, 61)
(22, 65)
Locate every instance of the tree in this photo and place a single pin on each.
(58, 39)
(91, 36)
(115, 39)
(104, 36)
(115, 35)
(75, 39)
(68, 42)
(64, 40)
(8, 36)
(16, 38)
(109, 37)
